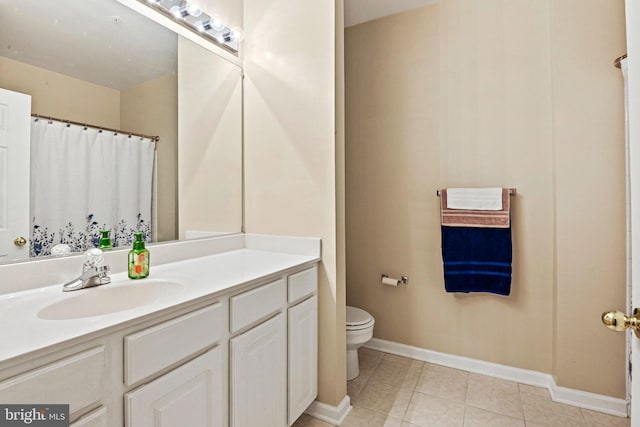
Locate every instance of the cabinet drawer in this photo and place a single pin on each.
(256, 304)
(76, 380)
(97, 418)
(160, 346)
(303, 283)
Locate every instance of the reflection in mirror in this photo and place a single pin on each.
(102, 64)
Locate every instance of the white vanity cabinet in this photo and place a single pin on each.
(193, 393)
(273, 365)
(245, 357)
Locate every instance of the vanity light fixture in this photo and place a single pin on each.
(190, 15)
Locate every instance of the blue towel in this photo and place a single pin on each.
(477, 259)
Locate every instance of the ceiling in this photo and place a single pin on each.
(359, 11)
(100, 41)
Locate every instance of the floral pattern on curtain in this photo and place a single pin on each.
(84, 180)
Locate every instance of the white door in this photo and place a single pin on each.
(190, 395)
(15, 134)
(258, 387)
(632, 10)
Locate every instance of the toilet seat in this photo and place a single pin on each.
(358, 319)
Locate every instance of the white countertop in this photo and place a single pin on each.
(22, 331)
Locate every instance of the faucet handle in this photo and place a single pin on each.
(92, 258)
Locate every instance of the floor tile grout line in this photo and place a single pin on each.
(413, 392)
(464, 414)
(524, 414)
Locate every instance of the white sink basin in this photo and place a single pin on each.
(112, 298)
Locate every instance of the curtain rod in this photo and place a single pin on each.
(617, 62)
(71, 122)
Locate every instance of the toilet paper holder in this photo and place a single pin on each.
(404, 280)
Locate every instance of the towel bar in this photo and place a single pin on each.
(512, 192)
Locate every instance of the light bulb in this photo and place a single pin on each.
(193, 10)
(233, 35)
(216, 23)
(178, 12)
(237, 34)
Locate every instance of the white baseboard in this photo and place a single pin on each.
(332, 414)
(582, 399)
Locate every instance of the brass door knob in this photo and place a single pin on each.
(20, 241)
(618, 321)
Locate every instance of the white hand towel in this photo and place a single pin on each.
(478, 199)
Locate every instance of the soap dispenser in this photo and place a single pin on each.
(138, 258)
(105, 239)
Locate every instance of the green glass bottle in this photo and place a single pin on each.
(138, 258)
(105, 239)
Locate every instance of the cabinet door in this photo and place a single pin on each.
(303, 356)
(191, 395)
(259, 375)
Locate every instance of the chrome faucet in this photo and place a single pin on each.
(93, 273)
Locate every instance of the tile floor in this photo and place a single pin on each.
(394, 391)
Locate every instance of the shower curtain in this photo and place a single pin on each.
(84, 180)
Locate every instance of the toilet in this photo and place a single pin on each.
(359, 332)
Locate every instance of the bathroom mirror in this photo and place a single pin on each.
(103, 64)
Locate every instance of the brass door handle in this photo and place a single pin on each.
(618, 321)
(20, 241)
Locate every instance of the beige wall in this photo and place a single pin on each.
(465, 93)
(291, 173)
(57, 95)
(590, 163)
(210, 134)
(158, 100)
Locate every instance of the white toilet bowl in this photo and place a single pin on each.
(359, 332)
